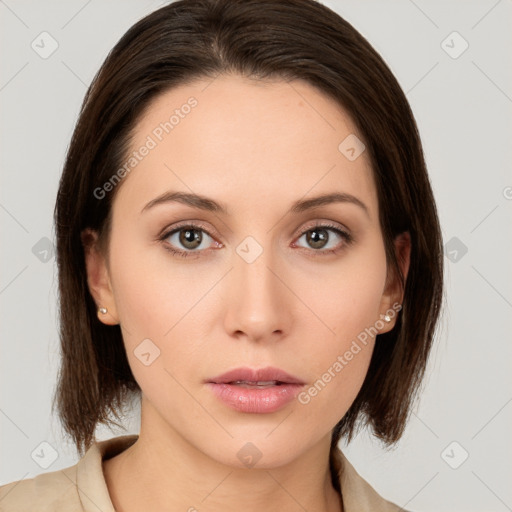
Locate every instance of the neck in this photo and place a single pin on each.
(163, 471)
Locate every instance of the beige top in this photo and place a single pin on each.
(82, 487)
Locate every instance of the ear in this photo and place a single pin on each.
(393, 295)
(98, 278)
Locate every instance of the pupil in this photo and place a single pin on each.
(190, 238)
(317, 237)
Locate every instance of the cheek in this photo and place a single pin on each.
(152, 293)
(161, 309)
(348, 303)
(348, 299)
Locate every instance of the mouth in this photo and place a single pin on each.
(256, 385)
(263, 377)
(255, 391)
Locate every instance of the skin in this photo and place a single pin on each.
(256, 147)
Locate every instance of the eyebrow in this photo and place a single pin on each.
(210, 205)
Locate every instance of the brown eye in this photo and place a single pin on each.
(190, 238)
(326, 239)
(317, 237)
(187, 239)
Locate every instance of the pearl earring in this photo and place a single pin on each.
(387, 318)
(103, 311)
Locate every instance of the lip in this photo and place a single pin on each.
(252, 399)
(255, 375)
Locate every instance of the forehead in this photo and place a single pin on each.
(243, 140)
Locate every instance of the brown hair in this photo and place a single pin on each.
(264, 39)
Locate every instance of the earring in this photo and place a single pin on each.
(103, 311)
(387, 318)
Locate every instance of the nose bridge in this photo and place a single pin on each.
(258, 301)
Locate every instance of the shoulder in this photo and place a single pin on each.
(78, 488)
(357, 494)
(53, 491)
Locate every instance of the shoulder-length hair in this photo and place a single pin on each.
(274, 39)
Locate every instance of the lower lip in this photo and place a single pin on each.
(255, 400)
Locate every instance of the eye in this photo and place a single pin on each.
(318, 237)
(187, 239)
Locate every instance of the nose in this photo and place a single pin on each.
(259, 305)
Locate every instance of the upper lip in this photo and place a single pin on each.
(256, 375)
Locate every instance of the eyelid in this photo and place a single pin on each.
(168, 230)
(321, 223)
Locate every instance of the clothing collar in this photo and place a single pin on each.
(358, 495)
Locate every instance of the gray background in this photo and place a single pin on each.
(463, 106)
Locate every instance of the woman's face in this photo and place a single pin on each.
(261, 278)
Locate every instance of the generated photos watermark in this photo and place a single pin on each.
(152, 140)
(343, 360)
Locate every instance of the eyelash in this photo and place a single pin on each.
(348, 239)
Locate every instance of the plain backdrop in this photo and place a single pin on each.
(453, 61)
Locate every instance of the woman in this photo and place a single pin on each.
(248, 241)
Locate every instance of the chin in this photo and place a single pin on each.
(259, 451)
